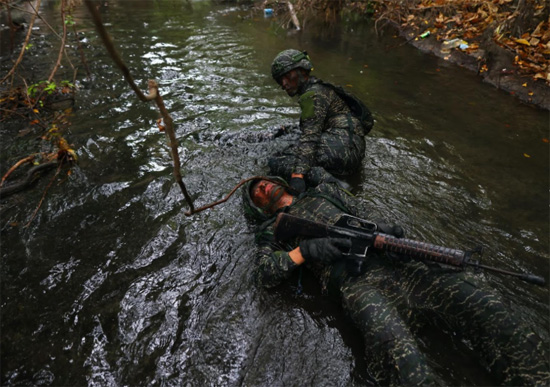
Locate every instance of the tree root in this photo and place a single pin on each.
(28, 180)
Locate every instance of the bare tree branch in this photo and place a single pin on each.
(62, 45)
(107, 41)
(153, 95)
(27, 38)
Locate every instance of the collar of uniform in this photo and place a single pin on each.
(304, 86)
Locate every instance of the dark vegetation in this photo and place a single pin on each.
(36, 110)
(40, 103)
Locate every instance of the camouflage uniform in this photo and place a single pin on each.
(394, 297)
(331, 137)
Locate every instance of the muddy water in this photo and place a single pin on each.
(111, 284)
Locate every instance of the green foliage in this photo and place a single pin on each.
(67, 84)
(69, 20)
(32, 90)
(48, 87)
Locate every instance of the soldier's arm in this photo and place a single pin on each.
(314, 107)
(231, 138)
(273, 263)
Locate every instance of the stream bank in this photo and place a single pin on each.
(505, 42)
(501, 75)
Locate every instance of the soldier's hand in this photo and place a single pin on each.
(395, 230)
(280, 131)
(324, 250)
(298, 184)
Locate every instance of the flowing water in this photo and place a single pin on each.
(112, 285)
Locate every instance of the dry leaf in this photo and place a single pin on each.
(537, 32)
(522, 41)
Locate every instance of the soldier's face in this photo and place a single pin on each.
(262, 193)
(290, 82)
(269, 196)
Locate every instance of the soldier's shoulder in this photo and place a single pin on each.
(319, 87)
(331, 189)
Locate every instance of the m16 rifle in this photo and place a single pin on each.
(365, 235)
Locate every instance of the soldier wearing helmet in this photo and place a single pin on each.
(332, 137)
(394, 299)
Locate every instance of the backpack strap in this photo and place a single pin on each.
(356, 106)
(350, 129)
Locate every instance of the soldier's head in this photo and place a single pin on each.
(290, 69)
(262, 198)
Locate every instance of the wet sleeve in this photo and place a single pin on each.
(273, 264)
(352, 205)
(314, 107)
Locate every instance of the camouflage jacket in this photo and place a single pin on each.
(324, 204)
(393, 297)
(322, 111)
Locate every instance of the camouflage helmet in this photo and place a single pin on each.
(251, 210)
(288, 60)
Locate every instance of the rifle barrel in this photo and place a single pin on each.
(420, 250)
(454, 257)
(527, 277)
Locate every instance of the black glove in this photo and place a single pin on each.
(395, 230)
(298, 185)
(324, 250)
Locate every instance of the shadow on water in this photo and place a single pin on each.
(112, 285)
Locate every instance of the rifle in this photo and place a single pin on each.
(365, 235)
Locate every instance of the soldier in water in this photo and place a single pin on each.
(393, 297)
(333, 124)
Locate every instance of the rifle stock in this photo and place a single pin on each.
(363, 235)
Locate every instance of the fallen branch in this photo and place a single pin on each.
(293, 16)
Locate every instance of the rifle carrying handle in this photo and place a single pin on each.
(420, 250)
